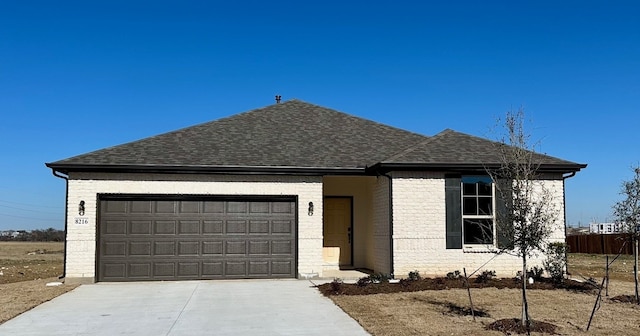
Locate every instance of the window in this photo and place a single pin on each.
(477, 210)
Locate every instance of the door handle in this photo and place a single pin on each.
(349, 234)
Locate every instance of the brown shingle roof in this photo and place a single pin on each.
(288, 137)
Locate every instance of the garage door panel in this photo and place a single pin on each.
(115, 249)
(236, 247)
(188, 248)
(212, 227)
(164, 269)
(281, 267)
(258, 247)
(213, 207)
(139, 270)
(236, 268)
(213, 269)
(212, 248)
(259, 268)
(282, 208)
(162, 227)
(195, 239)
(140, 227)
(115, 227)
(282, 247)
(164, 248)
(140, 248)
(259, 207)
(188, 227)
(188, 269)
(258, 227)
(236, 207)
(141, 207)
(165, 207)
(235, 227)
(284, 227)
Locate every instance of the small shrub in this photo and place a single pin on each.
(453, 275)
(364, 281)
(536, 273)
(414, 275)
(485, 276)
(336, 285)
(555, 263)
(380, 277)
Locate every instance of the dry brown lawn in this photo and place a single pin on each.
(428, 312)
(434, 312)
(26, 268)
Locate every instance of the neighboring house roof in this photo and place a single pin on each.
(294, 136)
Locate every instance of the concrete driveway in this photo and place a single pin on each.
(233, 307)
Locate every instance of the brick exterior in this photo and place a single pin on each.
(418, 209)
(81, 238)
(419, 224)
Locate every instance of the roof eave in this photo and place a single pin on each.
(162, 169)
(467, 167)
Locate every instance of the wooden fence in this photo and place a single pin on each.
(599, 244)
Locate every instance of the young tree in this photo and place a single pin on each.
(627, 214)
(525, 221)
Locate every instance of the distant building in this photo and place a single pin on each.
(605, 228)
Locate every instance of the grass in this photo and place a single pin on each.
(585, 266)
(26, 268)
(431, 313)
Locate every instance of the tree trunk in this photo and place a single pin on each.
(525, 304)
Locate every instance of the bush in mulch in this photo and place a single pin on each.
(624, 299)
(406, 285)
(510, 326)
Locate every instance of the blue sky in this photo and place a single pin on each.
(77, 76)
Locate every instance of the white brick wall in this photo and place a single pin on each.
(81, 238)
(381, 242)
(419, 218)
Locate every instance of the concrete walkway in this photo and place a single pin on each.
(234, 307)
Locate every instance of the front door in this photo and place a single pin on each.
(338, 235)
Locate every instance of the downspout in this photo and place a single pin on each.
(66, 212)
(390, 224)
(564, 208)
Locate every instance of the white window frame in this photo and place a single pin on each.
(468, 246)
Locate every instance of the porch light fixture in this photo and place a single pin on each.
(310, 208)
(81, 208)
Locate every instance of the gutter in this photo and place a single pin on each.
(275, 170)
(66, 213)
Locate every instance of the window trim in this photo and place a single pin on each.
(492, 217)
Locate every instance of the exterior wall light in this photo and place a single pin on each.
(81, 208)
(310, 208)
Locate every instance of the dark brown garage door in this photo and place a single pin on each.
(189, 239)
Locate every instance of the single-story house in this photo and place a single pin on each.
(290, 190)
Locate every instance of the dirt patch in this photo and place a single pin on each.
(18, 297)
(510, 326)
(624, 299)
(25, 270)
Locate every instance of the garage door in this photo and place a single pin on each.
(188, 239)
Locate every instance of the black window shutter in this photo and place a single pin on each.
(454, 212)
(503, 204)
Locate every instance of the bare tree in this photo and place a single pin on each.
(627, 213)
(526, 220)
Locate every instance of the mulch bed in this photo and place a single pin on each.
(338, 288)
(624, 299)
(513, 325)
